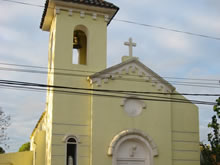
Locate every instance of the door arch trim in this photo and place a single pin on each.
(139, 134)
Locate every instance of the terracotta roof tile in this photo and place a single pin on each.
(98, 3)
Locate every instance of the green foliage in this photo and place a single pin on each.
(2, 151)
(211, 155)
(24, 147)
(206, 155)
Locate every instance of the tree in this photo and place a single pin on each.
(2, 151)
(4, 124)
(211, 154)
(24, 147)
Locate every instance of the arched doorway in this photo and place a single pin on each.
(132, 147)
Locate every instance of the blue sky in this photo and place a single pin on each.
(168, 53)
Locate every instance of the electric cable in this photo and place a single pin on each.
(87, 71)
(108, 95)
(36, 86)
(194, 84)
(132, 22)
(104, 90)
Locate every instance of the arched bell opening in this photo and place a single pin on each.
(79, 49)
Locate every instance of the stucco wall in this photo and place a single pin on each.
(185, 134)
(109, 118)
(71, 113)
(18, 158)
(96, 120)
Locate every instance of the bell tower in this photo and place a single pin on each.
(78, 33)
(77, 49)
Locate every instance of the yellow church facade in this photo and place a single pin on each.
(94, 115)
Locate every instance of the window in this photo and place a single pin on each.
(79, 51)
(71, 151)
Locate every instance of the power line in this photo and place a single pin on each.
(168, 29)
(24, 3)
(87, 71)
(73, 70)
(194, 84)
(43, 67)
(103, 90)
(133, 22)
(108, 95)
(133, 94)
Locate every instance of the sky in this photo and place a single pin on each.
(170, 54)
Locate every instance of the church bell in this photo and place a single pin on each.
(76, 42)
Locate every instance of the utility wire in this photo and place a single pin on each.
(168, 29)
(87, 71)
(160, 27)
(24, 3)
(147, 98)
(194, 84)
(133, 94)
(43, 67)
(132, 22)
(104, 90)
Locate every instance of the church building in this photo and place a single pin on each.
(122, 115)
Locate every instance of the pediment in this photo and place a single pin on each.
(128, 68)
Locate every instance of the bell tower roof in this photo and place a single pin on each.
(93, 5)
(99, 3)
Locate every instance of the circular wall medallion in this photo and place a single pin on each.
(133, 107)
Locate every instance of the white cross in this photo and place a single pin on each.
(130, 44)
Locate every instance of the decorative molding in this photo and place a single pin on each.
(185, 150)
(89, 10)
(132, 106)
(82, 14)
(94, 16)
(107, 18)
(130, 68)
(188, 132)
(138, 133)
(186, 160)
(81, 125)
(64, 139)
(84, 156)
(70, 12)
(57, 10)
(185, 141)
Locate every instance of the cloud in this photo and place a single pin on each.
(173, 41)
(168, 53)
(8, 34)
(204, 23)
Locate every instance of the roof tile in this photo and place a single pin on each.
(98, 3)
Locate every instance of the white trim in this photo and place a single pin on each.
(66, 137)
(144, 106)
(106, 18)
(137, 138)
(94, 16)
(82, 14)
(70, 12)
(137, 106)
(125, 133)
(57, 10)
(130, 67)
